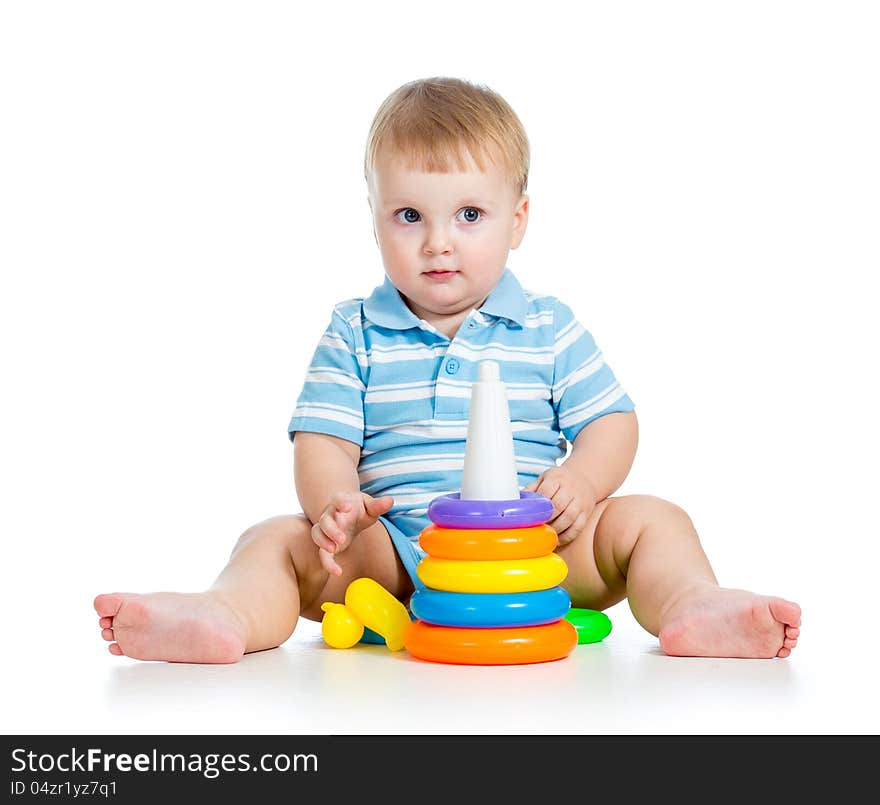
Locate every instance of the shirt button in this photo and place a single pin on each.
(472, 324)
(451, 366)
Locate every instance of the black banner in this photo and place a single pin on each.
(139, 768)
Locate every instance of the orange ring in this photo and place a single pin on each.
(488, 543)
(503, 646)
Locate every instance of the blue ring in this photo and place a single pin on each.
(530, 509)
(489, 610)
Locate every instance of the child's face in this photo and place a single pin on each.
(444, 237)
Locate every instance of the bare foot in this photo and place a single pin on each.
(719, 622)
(176, 627)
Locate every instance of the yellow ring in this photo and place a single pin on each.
(495, 576)
(488, 543)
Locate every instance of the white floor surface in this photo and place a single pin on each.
(623, 685)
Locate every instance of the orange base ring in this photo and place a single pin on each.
(488, 543)
(502, 646)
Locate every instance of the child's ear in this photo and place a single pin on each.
(520, 221)
(373, 219)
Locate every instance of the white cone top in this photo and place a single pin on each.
(488, 371)
(489, 460)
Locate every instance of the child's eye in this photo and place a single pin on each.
(407, 216)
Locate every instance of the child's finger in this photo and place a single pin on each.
(329, 563)
(341, 501)
(548, 487)
(376, 506)
(562, 499)
(567, 517)
(331, 529)
(322, 540)
(575, 529)
(343, 523)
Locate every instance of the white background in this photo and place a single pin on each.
(182, 202)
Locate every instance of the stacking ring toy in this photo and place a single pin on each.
(591, 625)
(488, 543)
(482, 610)
(505, 646)
(450, 511)
(496, 576)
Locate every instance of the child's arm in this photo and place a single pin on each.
(322, 465)
(603, 452)
(325, 474)
(600, 459)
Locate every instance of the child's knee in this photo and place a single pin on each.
(626, 518)
(643, 509)
(289, 530)
(664, 511)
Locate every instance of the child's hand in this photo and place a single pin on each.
(573, 499)
(345, 516)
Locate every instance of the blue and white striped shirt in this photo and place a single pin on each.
(400, 389)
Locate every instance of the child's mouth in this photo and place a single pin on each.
(440, 275)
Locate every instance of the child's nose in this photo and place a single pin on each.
(438, 241)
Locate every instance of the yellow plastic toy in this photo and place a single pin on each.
(379, 610)
(367, 603)
(339, 627)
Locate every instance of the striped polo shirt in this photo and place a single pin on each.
(400, 389)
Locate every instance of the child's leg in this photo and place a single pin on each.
(647, 549)
(273, 577)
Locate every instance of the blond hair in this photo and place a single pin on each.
(438, 122)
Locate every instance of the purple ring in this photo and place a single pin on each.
(450, 511)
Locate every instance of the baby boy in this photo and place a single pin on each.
(380, 425)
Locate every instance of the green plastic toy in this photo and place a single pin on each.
(590, 624)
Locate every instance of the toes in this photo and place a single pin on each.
(105, 623)
(788, 644)
(107, 634)
(786, 612)
(114, 649)
(108, 605)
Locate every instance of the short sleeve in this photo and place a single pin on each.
(332, 396)
(584, 387)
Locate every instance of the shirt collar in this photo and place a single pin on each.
(385, 306)
(507, 300)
